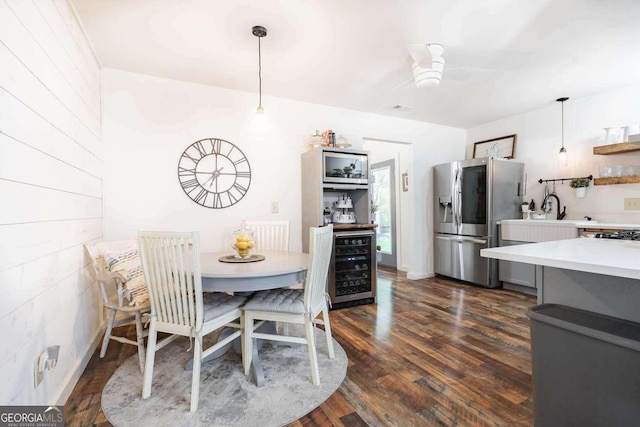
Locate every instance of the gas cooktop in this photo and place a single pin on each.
(619, 235)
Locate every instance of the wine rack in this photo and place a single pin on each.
(353, 269)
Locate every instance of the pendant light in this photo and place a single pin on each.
(259, 32)
(563, 151)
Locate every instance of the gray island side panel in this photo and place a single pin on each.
(609, 295)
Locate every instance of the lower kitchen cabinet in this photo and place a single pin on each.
(517, 276)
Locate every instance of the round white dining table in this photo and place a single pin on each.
(279, 269)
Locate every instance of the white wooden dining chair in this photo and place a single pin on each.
(301, 306)
(171, 263)
(120, 313)
(270, 235)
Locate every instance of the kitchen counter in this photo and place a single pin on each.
(531, 230)
(597, 275)
(570, 222)
(619, 258)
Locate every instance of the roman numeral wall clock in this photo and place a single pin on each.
(214, 173)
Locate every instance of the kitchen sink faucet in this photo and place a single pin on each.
(559, 215)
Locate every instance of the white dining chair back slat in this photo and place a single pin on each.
(270, 235)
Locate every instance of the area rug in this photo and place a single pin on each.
(227, 397)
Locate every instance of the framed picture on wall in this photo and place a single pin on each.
(497, 147)
(405, 181)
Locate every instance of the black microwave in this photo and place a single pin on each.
(343, 167)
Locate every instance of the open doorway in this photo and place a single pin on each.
(383, 198)
(401, 153)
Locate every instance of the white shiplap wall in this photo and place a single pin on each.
(50, 196)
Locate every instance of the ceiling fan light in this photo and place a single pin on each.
(427, 82)
(438, 64)
(426, 77)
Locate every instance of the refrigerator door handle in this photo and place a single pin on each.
(441, 237)
(472, 240)
(456, 198)
(461, 239)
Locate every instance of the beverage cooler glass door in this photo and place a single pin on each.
(345, 168)
(353, 275)
(473, 195)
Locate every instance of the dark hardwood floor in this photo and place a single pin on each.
(430, 352)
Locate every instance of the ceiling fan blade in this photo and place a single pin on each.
(469, 74)
(421, 54)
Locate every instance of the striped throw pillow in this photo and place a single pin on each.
(129, 265)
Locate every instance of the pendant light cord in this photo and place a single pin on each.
(260, 72)
(259, 31)
(562, 101)
(562, 121)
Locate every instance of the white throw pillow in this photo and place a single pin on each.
(127, 262)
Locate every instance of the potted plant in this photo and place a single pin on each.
(580, 186)
(374, 209)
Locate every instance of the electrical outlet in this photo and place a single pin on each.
(274, 207)
(631, 204)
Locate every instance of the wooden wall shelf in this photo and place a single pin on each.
(623, 147)
(631, 179)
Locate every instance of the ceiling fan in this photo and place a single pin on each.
(428, 64)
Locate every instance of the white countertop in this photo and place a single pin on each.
(609, 226)
(570, 222)
(619, 258)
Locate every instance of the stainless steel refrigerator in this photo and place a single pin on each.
(471, 196)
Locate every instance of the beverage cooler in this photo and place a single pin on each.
(352, 274)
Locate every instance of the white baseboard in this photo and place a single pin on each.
(76, 373)
(418, 276)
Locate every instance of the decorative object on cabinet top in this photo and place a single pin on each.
(341, 142)
(328, 139)
(316, 140)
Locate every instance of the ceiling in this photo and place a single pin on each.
(503, 57)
